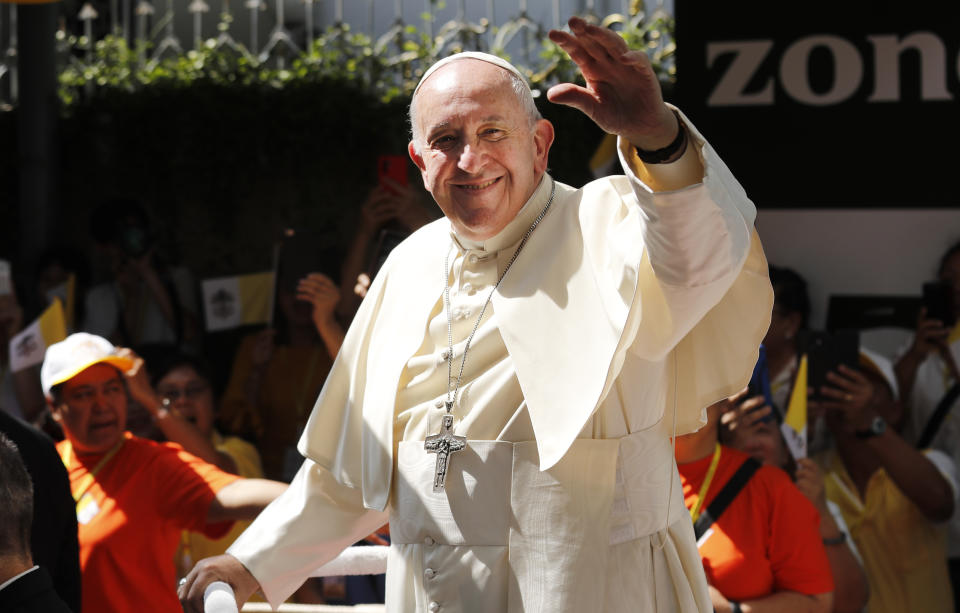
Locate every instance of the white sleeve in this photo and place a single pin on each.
(308, 525)
(947, 468)
(703, 286)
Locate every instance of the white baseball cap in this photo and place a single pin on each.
(76, 353)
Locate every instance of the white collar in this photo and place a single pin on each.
(15, 577)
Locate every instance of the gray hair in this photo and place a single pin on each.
(16, 492)
(520, 89)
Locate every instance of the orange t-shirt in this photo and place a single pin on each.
(130, 519)
(767, 540)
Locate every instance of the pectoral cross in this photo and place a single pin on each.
(443, 444)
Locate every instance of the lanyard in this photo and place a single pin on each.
(89, 478)
(695, 511)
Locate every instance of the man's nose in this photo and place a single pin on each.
(471, 158)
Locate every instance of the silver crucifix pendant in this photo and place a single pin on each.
(443, 444)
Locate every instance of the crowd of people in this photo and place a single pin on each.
(150, 445)
(158, 464)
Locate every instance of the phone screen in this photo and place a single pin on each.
(826, 352)
(938, 301)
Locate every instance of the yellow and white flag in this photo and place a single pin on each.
(794, 426)
(231, 302)
(605, 160)
(66, 292)
(29, 347)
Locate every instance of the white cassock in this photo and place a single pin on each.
(626, 313)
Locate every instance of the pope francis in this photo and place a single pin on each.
(508, 391)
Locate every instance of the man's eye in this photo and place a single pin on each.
(443, 142)
(493, 132)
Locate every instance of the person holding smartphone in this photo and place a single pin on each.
(930, 384)
(392, 211)
(895, 498)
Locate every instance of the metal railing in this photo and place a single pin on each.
(363, 560)
(158, 29)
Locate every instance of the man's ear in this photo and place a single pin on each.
(416, 157)
(543, 139)
(54, 409)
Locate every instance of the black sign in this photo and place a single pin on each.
(853, 103)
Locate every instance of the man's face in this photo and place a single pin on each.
(479, 156)
(93, 409)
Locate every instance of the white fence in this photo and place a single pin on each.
(273, 30)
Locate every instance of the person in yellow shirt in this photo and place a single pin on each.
(895, 499)
(183, 385)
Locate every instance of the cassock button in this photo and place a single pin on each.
(467, 289)
(429, 542)
(474, 259)
(439, 404)
(446, 354)
(434, 606)
(429, 573)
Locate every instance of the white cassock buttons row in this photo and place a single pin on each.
(434, 607)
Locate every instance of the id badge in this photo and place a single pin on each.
(87, 509)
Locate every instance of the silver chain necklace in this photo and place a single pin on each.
(452, 394)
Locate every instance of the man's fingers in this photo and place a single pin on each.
(591, 41)
(572, 95)
(612, 43)
(572, 47)
(832, 392)
(739, 395)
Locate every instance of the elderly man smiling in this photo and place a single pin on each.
(507, 392)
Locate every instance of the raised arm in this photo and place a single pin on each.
(622, 96)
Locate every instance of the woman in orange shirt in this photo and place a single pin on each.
(763, 552)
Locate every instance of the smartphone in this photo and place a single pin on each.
(760, 385)
(938, 300)
(393, 167)
(6, 282)
(825, 352)
(303, 252)
(389, 238)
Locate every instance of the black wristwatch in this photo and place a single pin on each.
(877, 427)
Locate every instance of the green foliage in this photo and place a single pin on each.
(387, 68)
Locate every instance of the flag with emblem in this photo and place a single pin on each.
(794, 426)
(28, 348)
(231, 302)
